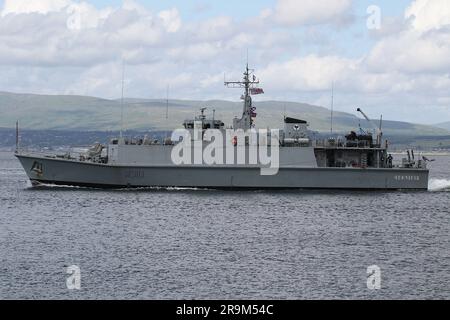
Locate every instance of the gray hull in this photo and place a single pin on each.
(74, 173)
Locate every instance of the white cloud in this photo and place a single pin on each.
(411, 52)
(78, 34)
(429, 14)
(171, 19)
(131, 5)
(44, 49)
(38, 6)
(423, 46)
(307, 73)
(293, 12)
(217, 28)
(83, 15)
(195, 52)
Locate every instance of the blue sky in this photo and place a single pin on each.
(200, 9)
(239, 8)
(298, 47)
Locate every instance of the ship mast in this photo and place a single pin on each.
(121, 100)
(17, 136)
(248, 84)
(332, 107)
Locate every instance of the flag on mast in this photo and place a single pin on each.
(255, 91)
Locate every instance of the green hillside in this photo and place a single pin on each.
(90, 113)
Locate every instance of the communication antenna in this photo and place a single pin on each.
(332, 106)
(381, 123)
(121, 100)
(17, 136)
(167, 102)
(167, 111)
(247, 56)
(380, 132)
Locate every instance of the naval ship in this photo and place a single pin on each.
(357, 161)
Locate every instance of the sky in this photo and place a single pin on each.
(387, 57)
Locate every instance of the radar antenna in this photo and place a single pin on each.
(332, 107)
(249, 84)
(121, 100)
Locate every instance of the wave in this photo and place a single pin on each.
(46, 186)
(164, 189)
(439, 185)
(29, 184)
(434, 185)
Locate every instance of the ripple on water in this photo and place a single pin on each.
(191, 244)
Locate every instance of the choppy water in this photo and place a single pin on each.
(220, 245)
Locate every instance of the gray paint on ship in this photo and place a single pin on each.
(69, 172)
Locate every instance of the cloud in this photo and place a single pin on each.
(65, 46)
(39, 6)
(68, 33)
(422, 46)
(427, 15)
(83, 16)
(292, 13)
(405, 73)
(310, 73)
(195, 52)
(171, 19)
(412, 52)
(214, 29)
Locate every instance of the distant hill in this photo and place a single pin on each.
(94, 114)
(444, 125)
